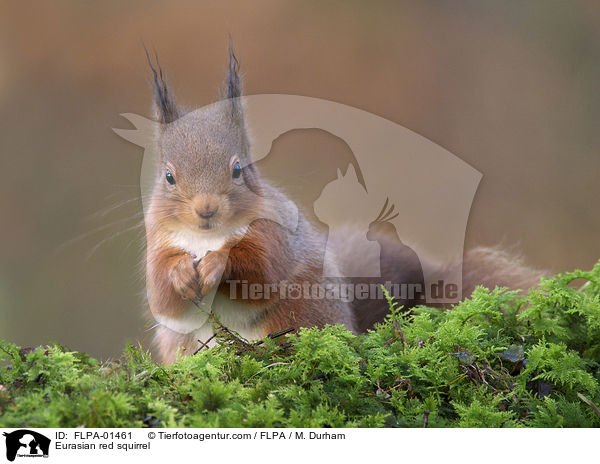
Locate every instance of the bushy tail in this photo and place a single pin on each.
(494, 267)
(490, 267)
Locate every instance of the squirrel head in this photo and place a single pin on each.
(205, 177)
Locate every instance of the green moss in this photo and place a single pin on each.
(495, 360)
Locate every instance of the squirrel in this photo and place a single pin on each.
(207, 226)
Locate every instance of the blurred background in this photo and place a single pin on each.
(512, 88)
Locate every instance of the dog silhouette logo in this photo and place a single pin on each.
(26, 443)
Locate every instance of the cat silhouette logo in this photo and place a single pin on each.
(26, 443)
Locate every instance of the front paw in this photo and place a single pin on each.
(184, 278)
(210, 270)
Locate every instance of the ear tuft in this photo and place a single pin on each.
(165, 108)
(234, 83)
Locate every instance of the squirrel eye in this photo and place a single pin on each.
(170, 178)
(237, 171)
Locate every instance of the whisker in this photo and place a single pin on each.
(104, 212)
(115, 235)
(96, 230)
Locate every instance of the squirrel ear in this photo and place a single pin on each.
(234, 83)
(165, 108)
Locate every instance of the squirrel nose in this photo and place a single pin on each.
(206, 213)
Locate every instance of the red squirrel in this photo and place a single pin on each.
(207, 226)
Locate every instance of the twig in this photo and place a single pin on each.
(589, 403)
(274, 335)
(425, 418)
(281, 333)
(515, 366)
(215, 321)
(314, 365)
(457, 378)
(266, 367)
(204, 344)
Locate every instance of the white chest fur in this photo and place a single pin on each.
(200, 243)
(232, 314)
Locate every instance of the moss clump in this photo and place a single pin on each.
(495, 360)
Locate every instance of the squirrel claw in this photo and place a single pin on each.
(196, 260)
(197, 300)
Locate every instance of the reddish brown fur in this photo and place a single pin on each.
(495, 267)
(200, 152)
(166, 282)
(268, 253)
